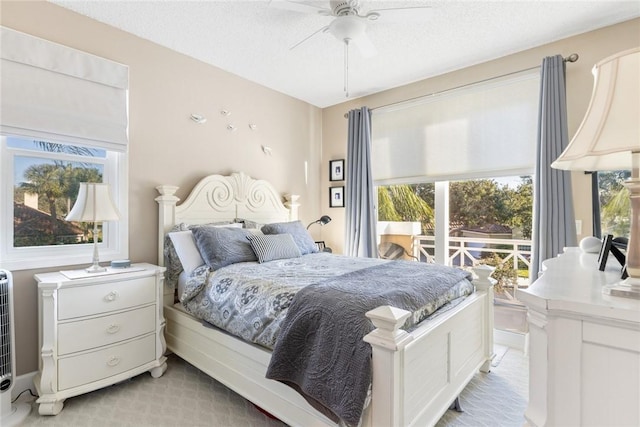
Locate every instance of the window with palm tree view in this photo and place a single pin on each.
(615, 203)
(489, 222)
(43, 178)
(46, 180)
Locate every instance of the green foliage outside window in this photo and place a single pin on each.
(473, 203)
(615, 204)
(56, 183)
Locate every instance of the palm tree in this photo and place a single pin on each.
(616, 213)
(46, 180)
(401, 203)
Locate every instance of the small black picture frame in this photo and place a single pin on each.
(336, 197)
(336, 170)
(604, 251)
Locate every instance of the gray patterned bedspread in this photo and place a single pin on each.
(321, 352)
(252, 301)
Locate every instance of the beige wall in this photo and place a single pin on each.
(592, 47)
(166, 147)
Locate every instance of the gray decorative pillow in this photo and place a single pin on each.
(275, 246)
(223, 246)
(300, 234)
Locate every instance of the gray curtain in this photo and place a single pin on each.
(360, 230)
(554, 226)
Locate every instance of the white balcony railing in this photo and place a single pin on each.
(467, 251)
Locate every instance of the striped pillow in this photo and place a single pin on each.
(274, 246)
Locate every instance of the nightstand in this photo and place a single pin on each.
(97, 330)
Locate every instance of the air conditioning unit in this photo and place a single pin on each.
(10, 414)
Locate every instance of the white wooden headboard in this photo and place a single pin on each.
(222, 198)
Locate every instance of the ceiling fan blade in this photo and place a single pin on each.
(299, 6)
(323, 29)
(401, 15)
(364, 45)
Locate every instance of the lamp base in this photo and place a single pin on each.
(628, 288)
(95, 268)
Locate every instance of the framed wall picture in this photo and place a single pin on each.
(336, 170)
(336, 197)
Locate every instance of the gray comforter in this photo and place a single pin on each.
(320, 351)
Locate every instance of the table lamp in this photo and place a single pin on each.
(609, 139)
(324, 220)
(94, 204)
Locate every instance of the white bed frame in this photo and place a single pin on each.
(416, 376)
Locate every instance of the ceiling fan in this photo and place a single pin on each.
(350, 23)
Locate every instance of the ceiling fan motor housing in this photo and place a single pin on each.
(344, 7)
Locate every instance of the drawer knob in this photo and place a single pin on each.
(111, 296)
(113, 328)
(113, 361)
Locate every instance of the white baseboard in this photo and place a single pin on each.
(21, 383)
(518, 341)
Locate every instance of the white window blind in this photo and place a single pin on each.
(53, 92)
(487, 129)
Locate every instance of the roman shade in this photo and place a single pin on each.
(482, 130)
(56, 93)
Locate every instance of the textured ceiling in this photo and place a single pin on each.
(253, 39)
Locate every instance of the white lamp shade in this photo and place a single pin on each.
(94, 204)
(610, 130)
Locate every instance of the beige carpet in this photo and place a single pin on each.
(184, 396)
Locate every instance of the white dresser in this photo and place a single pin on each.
(98, 330)
(584, 346)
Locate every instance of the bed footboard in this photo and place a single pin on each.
(417, 375)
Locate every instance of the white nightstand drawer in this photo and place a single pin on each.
(105, 330)
(106, 297)
(78, 370)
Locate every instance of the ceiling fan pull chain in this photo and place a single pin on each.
(346, 67)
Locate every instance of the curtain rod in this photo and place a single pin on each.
(571, 58)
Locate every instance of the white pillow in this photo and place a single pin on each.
(187, 250)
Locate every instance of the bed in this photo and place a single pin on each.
(416, 375)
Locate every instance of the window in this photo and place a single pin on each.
(615, 203)
(480, 212)
(484, 131)
(64, 120)
(42, 180)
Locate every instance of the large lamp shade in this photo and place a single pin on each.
(610, 130)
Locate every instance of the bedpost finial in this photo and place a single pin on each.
(167, 190)
(484, 280)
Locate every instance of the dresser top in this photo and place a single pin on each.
(572, 282)
(57, 278)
